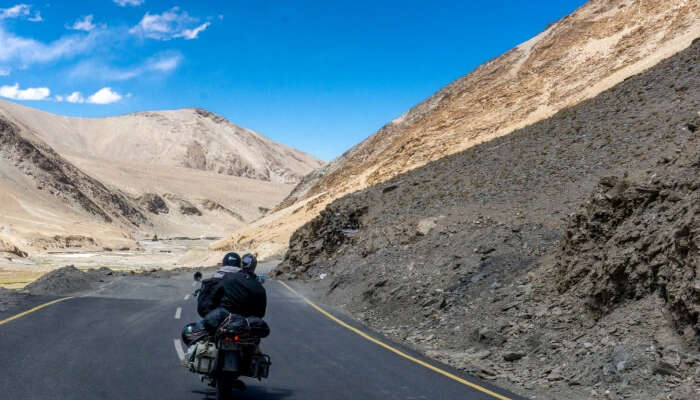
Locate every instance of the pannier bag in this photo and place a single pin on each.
(203, 358)
(260, 366)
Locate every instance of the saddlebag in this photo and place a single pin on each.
(204, 358)
(260, 366)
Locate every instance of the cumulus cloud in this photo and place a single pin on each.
(169, 25)
(124, 3)
(20, 11)
(26, 51)
(104, 96)
(161, 63)
(75, 97)
(15, 93)
(85, 24)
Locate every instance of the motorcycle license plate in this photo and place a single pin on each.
(232, 361)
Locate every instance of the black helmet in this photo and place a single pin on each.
(249, 262)
(232, 260)
(193, 332)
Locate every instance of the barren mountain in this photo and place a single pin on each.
(191, 138)
(48, 202)
(562, 259)
(102, 183)
(599, 45)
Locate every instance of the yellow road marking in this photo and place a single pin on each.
(37, 308)
(396, 351)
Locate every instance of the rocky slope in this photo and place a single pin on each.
(594, 48)
(486, 259)
(53, 173)
(191, 138)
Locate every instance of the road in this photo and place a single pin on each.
(119, 343)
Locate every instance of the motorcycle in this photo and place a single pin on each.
(233, 352)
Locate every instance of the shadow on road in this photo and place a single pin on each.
(251, 393)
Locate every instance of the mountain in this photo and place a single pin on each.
(190, 138)
(597, 46)
(562, 260)
(105, 182)
(47, 201)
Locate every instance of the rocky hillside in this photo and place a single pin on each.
(594, 48)
(488, 260)
(191, 138)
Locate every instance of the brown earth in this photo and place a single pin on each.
(488, 260)
(576, 58)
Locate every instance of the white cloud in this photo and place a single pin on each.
(26, 51)
(104, 96)
(162, 63)
(124, 3)
(58, 98)
(84, 24)
(15, 93)
(168, 25)
(20, 11)
(75, 97)
(190, 34)
(5, 72)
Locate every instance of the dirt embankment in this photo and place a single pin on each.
(485, 259)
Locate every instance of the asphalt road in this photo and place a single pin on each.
(119, 343)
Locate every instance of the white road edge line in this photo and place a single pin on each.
(187, 297)
(178, 349)
(178, 312)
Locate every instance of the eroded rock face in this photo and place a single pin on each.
(154, 203)
(634, 239)
(321, 237)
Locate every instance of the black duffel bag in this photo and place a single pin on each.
(258, 327)
(236, 325)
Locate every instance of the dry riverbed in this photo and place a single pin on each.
(16, 273)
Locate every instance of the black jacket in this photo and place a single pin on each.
(206, 300)
(241, 293)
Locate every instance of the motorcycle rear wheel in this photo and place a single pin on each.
(224, 386)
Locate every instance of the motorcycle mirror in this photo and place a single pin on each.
(197, 276)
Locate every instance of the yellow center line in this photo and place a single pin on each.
(37, 308)
(397, 351)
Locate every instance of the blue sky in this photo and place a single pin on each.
(318, 76)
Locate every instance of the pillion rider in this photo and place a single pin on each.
(237, 293)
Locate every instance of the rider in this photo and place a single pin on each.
(238, 293)
(242, 293)
(206, 299)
